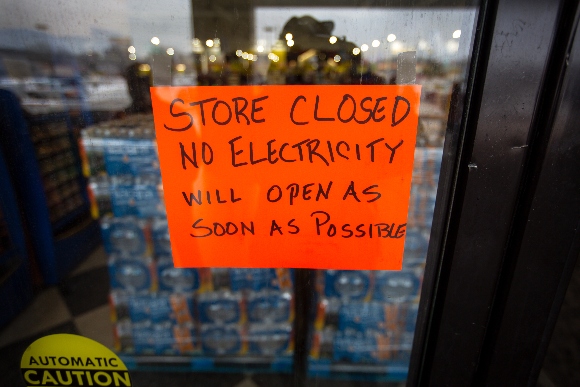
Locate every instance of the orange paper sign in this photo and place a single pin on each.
(287, 176)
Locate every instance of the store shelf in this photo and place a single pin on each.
(61, 223)
(60, 245)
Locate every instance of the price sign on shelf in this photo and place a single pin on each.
(287, 176)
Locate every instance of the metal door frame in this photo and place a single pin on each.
(504, 163)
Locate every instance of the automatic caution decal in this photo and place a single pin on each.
(70, 360)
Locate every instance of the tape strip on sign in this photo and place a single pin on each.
(70, 360)
(287, 176)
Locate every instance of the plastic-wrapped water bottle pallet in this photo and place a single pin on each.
(393, 372)
(233, 364)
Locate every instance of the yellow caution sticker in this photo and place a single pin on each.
(71, 360)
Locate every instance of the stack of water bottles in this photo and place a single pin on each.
(247, 312)
(369, 316)
(159, 309)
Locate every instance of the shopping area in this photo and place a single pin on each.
(210, 320)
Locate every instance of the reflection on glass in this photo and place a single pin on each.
(95, 61)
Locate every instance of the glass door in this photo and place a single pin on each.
(75, 84)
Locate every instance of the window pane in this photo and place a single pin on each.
(76, 78)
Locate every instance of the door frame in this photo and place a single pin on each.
(504, 158)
